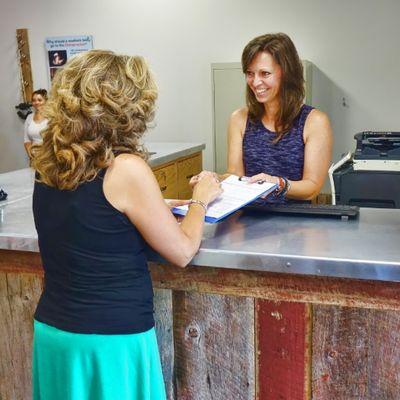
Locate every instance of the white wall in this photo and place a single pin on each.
(354, 44)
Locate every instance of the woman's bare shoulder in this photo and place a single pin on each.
(240, 114)
(238, 119)
(129, 166)
(317, 124)
(317, 118)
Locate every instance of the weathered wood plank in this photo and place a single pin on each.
(7, 390)
(283, 350)
(279, 287)
(164, 330)
(19, 294)
(340, 353)
(383, 364)
(356, 354)
(265, 285)
(214, 347)
(20, 261)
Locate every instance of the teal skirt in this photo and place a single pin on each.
(75, 366)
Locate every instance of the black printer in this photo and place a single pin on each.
(371, 176)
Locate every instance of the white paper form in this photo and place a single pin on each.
(236, 194)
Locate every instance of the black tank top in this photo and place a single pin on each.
(96, 274)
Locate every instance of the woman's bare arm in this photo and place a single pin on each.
(236, 127)
(317, 157)
(131, 187)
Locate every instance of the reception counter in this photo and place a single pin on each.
(271, 307)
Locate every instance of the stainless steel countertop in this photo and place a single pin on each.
(365, 248)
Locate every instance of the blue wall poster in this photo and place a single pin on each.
(60, 49)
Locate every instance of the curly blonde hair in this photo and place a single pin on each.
(100, 106)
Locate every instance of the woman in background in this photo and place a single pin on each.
(276, 137)
(96, 203)
(35, 122)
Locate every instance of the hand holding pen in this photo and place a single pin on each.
(283, 184)
(260, 178)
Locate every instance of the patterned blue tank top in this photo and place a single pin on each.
(284, 158)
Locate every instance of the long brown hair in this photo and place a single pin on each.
(99, 106)
(291, 93)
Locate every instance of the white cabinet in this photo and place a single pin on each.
(228, 86)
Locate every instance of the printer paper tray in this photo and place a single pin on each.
(376, 165)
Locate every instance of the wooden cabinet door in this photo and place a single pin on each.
(167, 179)
(187, 168)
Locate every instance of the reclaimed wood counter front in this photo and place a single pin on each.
(271, 308)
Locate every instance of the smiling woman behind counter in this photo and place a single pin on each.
(276, 137)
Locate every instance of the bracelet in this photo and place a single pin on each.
(281, 185)
(287, 186)
(199, 202)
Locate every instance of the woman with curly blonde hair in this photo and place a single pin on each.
(96, 202)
